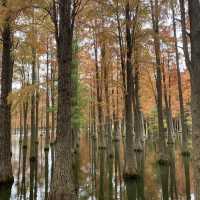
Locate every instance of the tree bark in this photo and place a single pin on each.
(62, 186)
(194, 15)
(155, 18)
(108, 120)
(185, 151)
(130, 157)
(6, 174)
(46, 148)
(99, 97)
(181, 103)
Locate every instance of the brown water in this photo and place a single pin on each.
(99, 177)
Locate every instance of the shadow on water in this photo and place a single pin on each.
(102, 174)
(186, 161)
(131, 189)
(99, 176)
(5, 191)
(164, 174)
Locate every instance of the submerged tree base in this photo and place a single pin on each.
(130, 174)
(110, 155)
(186, 153)
(6, 179)
(163, 161)
(128, 177)
(5, 191)
(138, 150)
(62, 195)
(102, 147)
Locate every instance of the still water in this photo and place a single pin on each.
(99, 177)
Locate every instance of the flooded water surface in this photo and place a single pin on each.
(98, 176)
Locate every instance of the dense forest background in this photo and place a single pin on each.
(116, 79)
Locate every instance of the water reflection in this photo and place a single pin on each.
(97, 175)
(5, 192)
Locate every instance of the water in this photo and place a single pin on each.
(99, 177)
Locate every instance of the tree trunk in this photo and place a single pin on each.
(99, 98)
(130, 157)
(63, 183)
(108, 121)
(52, 103)
(33, 127)
(181, 105)
(167, 107)
(194, 14)
(6, 174)
(46, 148)
(185, 152)
(162, 143)
(138, 118)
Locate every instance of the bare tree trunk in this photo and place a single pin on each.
(138, 118)
(25, 143)
(6, 174)
(162, 143)
(194, 14)
(46, 148)
(185, 152)
(108, 120)
(167, 107)
(99, 98)
(33, 127)
(163, 156)
(62, 186)
(52, 103)
(130, 157)
(181, 103)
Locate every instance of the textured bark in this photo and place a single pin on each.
(108, 121)
(181, 103)
(194, 14)
(99, 98)
(155, 17)
(167, 107)
(37, 101)
(33, 103)
(47, 102)
(138, 118)
(62, 187)
(184, 34)
(33, 138)
(6, 174)
(52, 104)
(121, 47)
(171, 147)
(130, 157)
(163, 156)
(20, 150)
(139, 132)
(46, 148)
(23, 185)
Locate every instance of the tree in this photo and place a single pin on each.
(6, 87)
(194, 15)
(64, 14)
(159, 102)
(126, 55)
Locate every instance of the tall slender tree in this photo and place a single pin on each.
(131, 14)
(156, 36)
(194, 15)
(6, 174)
